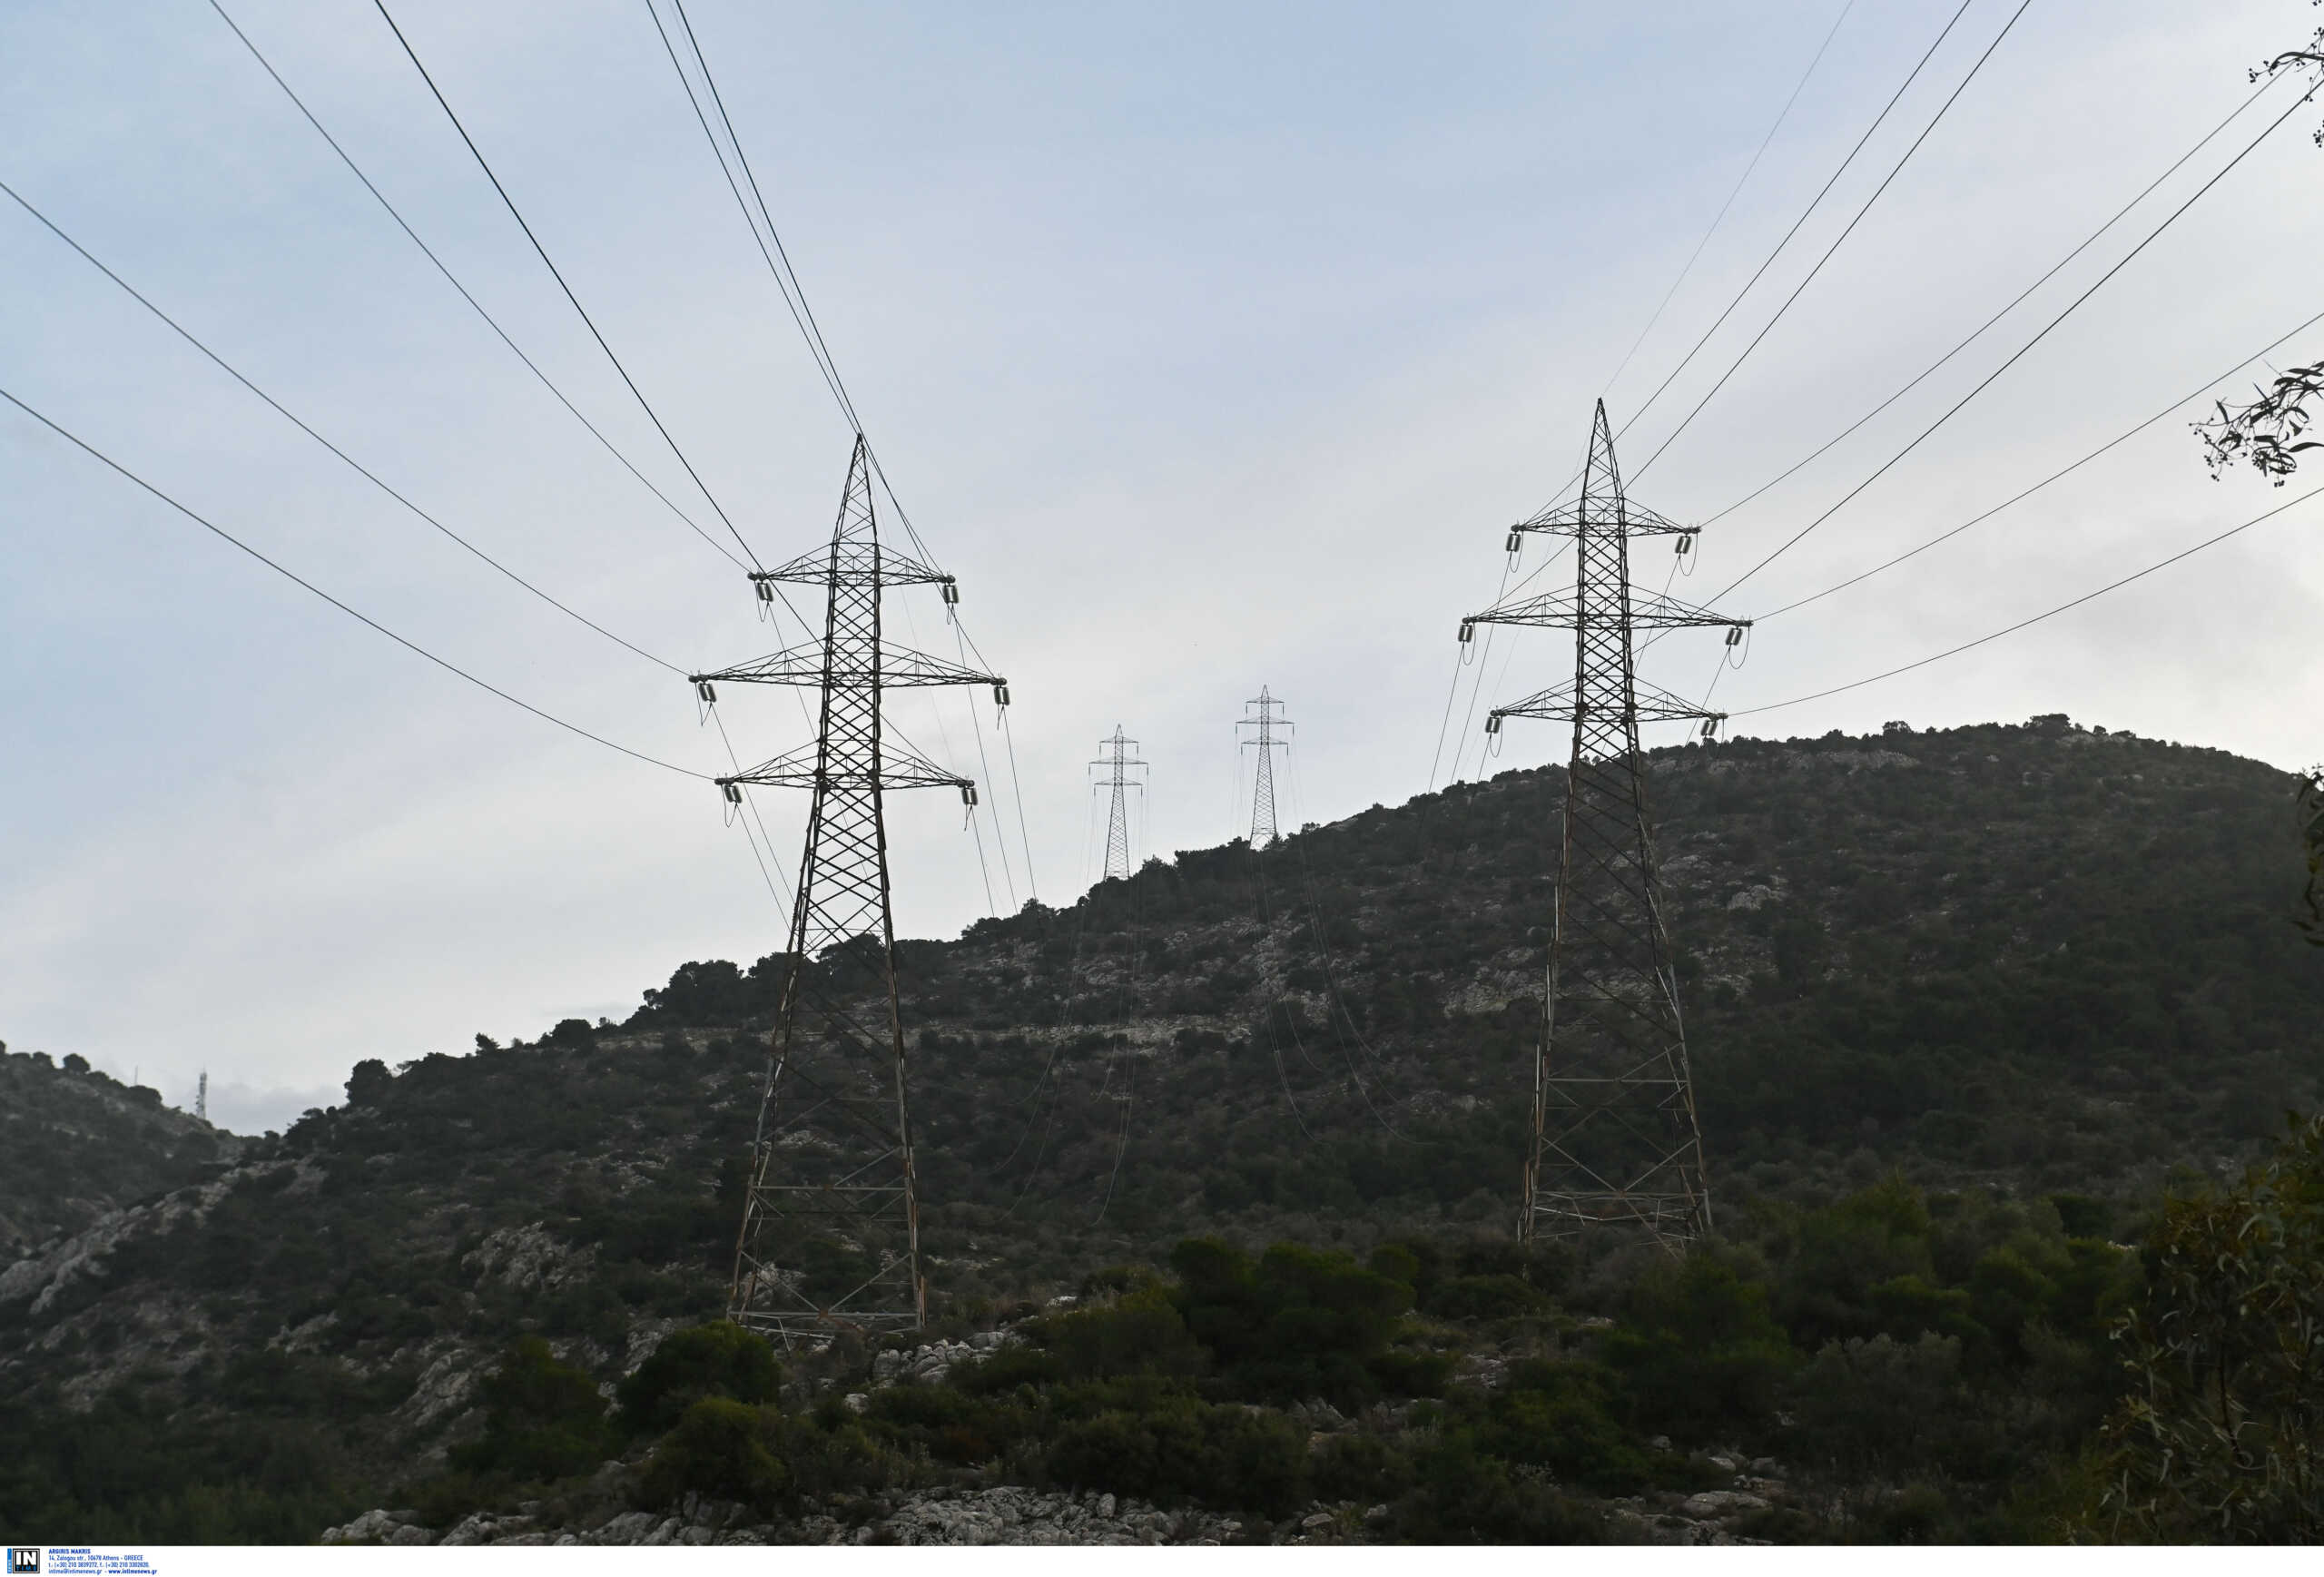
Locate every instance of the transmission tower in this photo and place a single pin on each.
(1614, 1138)
(831, 1218)
(1263, 828)
(1118, 763)
(201, 1097)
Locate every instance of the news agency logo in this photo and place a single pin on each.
(24, 1563)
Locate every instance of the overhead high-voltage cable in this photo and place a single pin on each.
(2063, 471)
(517, 215)
(1894, 171)
(785, 277)
(1804, 213)
(296, 421)
(1974, 335)
(2037, 618)
(1720, 217)
(2055, 475)
(777, 257)
(2019, 353)
(409, 645)
(377, 481)
(453, 280)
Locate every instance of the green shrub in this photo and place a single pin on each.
(1700, 1354)
(717, 1359)
(1562, 1417)
(1485, 1297)
(543, 1419)
(719, 1449)
(2217, 1440)
(1300, 1322)
(1230, 1457)
(1359, 1467)
(1140, 1332)
(1411, 1371)
(1465, 1497)
(1881, 1404)
(948, 1423)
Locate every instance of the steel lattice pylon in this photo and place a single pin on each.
(830, 1238)
(1614, 1138)
(1117, 761)
(1263, 827)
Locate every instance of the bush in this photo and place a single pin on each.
(1359, 1467)
(948, 1424)
(717, 1359)
(1411, 1371)
(1467, 1498)
(1140, 1333)
(1485, 1297)
(719, 1449)
(1701, 1353)
(2217, 1440)
(1232, 1458)
(1300, 1322)
(543, 1419)
(1880, 1404)
(1562, 1417)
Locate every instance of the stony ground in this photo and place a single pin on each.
(1016, 1515)
(1004, 1515)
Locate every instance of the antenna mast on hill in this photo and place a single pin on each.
(1263, 828)
(201, 1097)
(1614, 1136)
(1118, 763)
(831, 1220)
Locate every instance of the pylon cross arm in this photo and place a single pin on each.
(1556, 705)
(810, 666)
(1592, 516)
(815, 569)
(898, 768)
(1565, 610)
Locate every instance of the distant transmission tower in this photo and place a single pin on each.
(201, 1097)
(831, 1221)
(1614, 1136)
(1117, 762)
(1263, 827)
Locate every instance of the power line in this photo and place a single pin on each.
(514, 212)
(778, 262)
(453, 280)
(2058, 475)
(797, 305)
(1720, 218)
(814, 329)
(292, 416)
(410, 646)
(2022, 351)
(2091, 240)
(1814, 202)
(802, 316)
(1895, 171)
(2037, 618)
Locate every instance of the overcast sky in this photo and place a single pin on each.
(1210, 346)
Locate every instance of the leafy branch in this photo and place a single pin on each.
(2269, 433)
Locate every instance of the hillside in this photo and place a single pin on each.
(2032, 963)
(75, 1144)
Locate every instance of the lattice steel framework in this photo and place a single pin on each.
(1263, 827)
(1117, 762)
(830, 1237)
(1614, 1138)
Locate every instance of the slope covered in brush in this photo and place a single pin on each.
(2028, 961)
(76, 1143)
